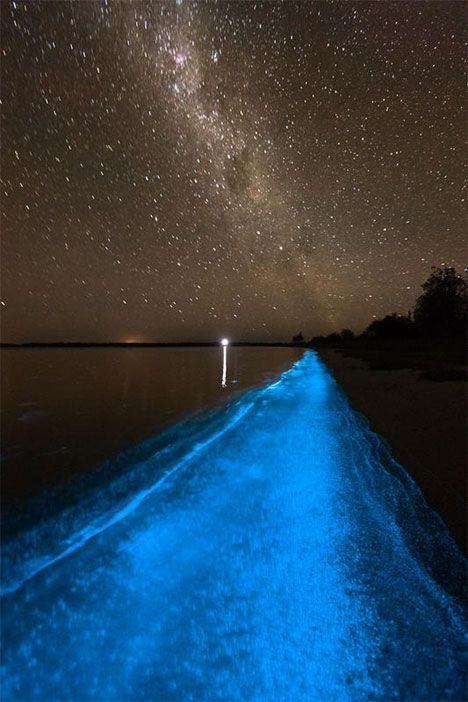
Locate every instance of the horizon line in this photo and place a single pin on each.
(7, 344)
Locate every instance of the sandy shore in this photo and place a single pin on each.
(424, 422)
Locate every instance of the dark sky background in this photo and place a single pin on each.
(186, 170)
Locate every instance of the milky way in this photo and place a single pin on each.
(186, 170)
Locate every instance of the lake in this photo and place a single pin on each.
(66, 410)
(267, 548)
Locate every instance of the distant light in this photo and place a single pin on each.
(224, 342)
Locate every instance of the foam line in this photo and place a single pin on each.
(81, 538)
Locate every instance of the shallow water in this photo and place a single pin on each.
(272, 550)
(65, 410)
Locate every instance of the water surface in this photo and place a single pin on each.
(64, 410)
(272, 550)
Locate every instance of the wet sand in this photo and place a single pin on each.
(425, 424)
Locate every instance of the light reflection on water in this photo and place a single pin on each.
(64, 410)
(224, 375)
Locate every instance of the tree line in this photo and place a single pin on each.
(441, 311)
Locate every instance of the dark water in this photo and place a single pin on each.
(65, 410)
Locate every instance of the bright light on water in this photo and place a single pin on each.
(273, 551)
(223, 378)
(224, 342)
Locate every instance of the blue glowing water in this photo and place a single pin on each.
(271, 550)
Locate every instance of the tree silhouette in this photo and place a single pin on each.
(346, 335)
(298, 339)
(441, 309)
(394, 325)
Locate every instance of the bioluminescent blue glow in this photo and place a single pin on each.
(271, 550)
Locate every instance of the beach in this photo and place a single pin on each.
(423, 420)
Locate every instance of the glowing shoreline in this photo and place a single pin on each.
(290, 559)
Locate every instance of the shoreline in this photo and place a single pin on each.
(423, 421)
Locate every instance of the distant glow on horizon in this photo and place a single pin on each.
(224, 342)
(136, 339)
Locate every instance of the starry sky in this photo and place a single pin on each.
(185, 170)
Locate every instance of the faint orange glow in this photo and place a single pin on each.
(133, 339)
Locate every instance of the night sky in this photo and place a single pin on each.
(185, 170)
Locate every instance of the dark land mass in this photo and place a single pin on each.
(433, 359)
(413, 393)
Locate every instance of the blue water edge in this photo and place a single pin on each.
(270, 550)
